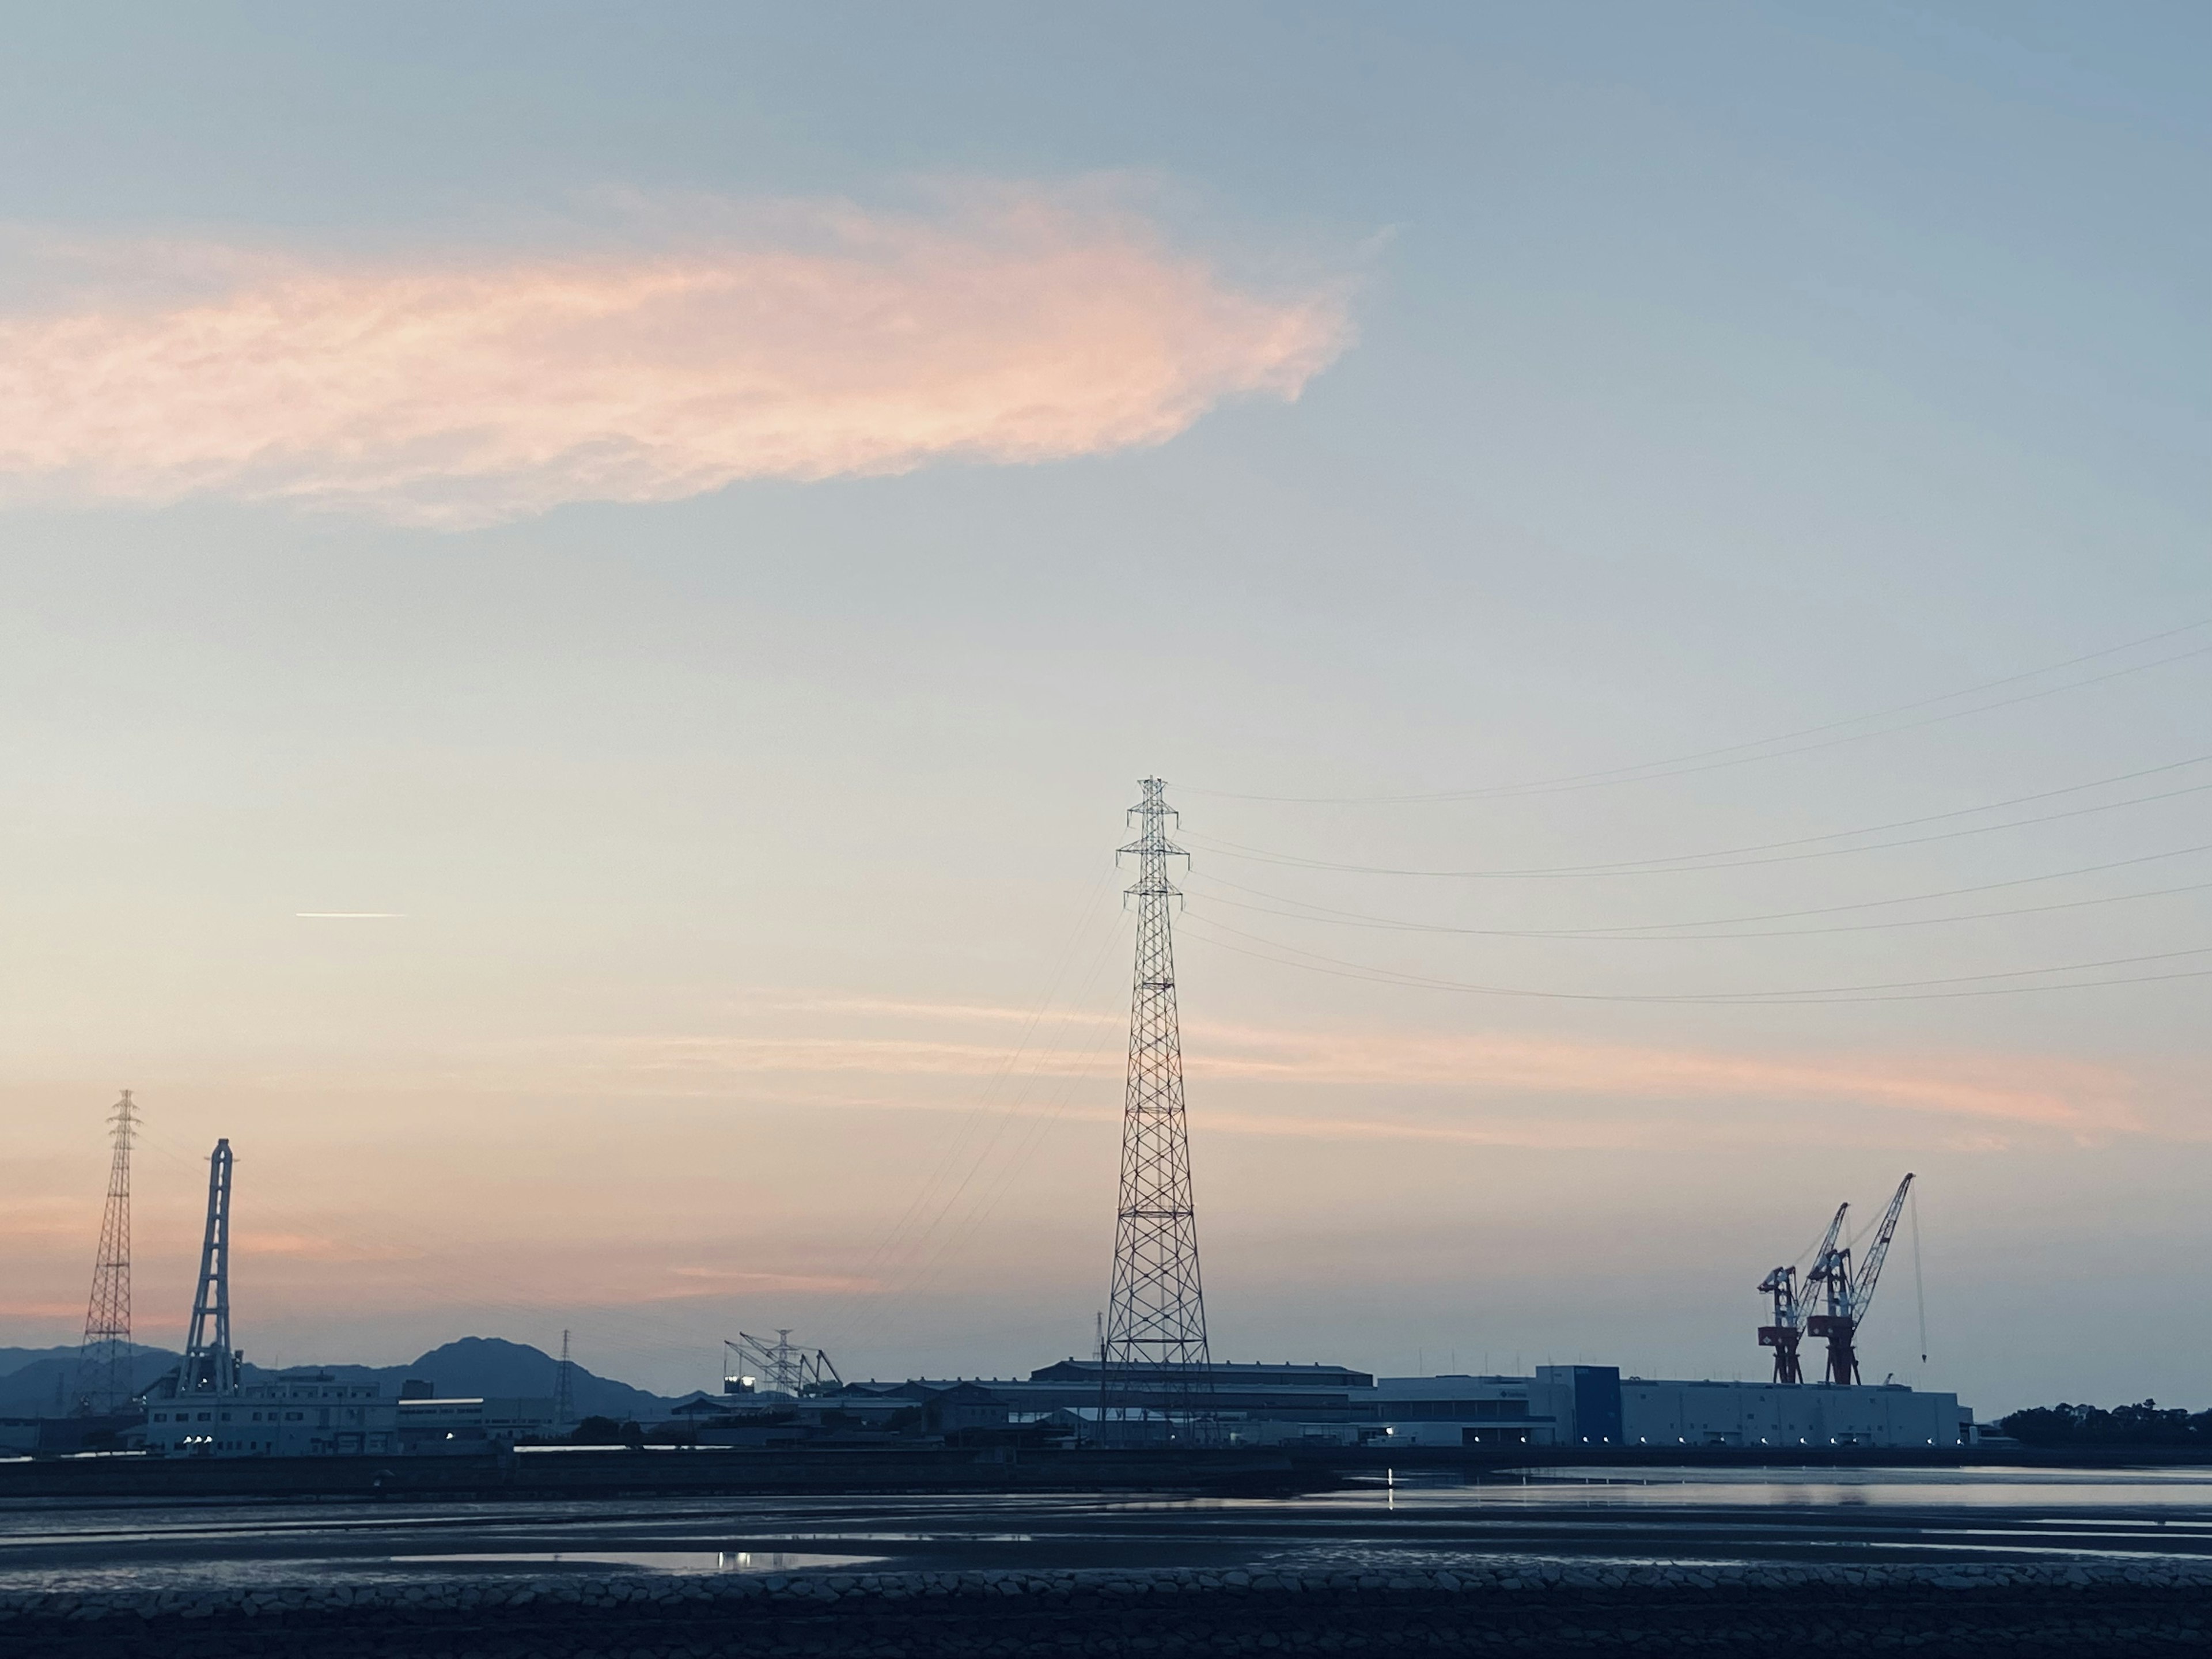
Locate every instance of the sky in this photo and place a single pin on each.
(585, 589)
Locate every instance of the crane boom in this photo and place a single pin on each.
(1871, 1270)
(1789, 1292)
(1848, 1295)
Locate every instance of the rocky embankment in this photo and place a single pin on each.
(2105, 1608)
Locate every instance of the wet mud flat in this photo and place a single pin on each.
(2074, 1608)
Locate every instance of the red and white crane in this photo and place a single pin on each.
(1849, 1294)
(1784, 1285)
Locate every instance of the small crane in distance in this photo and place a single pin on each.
(1788, 1326)
(1849, 1294)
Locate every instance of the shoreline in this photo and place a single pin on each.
(1521, 1604)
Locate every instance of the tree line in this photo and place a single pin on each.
(2146, 1423)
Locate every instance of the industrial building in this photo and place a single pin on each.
(315, 1414)
(1593, 1406)
(306, 1415)
(1582, 1407)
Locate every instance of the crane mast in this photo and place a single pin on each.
(1849, 1294)
(1788, 1326)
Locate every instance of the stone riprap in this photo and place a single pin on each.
(1521, 1606)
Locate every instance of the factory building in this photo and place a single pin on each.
(1321, 1405)
(1802, 1414)
(315, 1414)
(300, 1414)
(428, 1424)
(1591, 1406)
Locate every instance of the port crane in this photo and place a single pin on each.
(1848, 1295)
(779, 1367)
(1784, 1285)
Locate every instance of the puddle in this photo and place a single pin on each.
(651, 1560)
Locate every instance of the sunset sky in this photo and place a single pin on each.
(585, 588)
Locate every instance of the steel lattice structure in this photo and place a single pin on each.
(210, 1364)
(103, 1363)
(1154, 1342)
(780, 1367)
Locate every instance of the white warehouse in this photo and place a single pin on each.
(1595, 1405)
(1773, 1414)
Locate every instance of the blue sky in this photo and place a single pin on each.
(1518, 393)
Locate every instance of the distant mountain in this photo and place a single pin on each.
(14, 1359)
(41, 1382)
(491, 1365)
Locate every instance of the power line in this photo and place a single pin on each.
(1725, 857)
(1740, 755)
(1652, 935)
(1627, 929)
(1920, 989)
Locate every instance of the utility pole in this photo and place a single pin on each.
(103, 1362)
(1155, 1341)
(564, 1393)
(211, 1365)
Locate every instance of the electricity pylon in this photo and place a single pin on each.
(1154, 1345)
(103, 1362)
(211, 1365)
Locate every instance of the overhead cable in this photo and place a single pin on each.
(1728, 858)
(1745, 754)
(1888, 991)
(1651, 936)
(1633, 928)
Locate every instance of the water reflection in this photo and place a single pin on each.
(648, 1560)
(1718, 1489)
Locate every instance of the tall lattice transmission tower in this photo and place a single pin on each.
(103, 1363)
(564, 1388)
(1154, 1345)
(210, 1364)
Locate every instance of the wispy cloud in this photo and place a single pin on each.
(307, 1246)
(33, 1309)
(719, 1281)
(46, 1218)
(1480, 1072)
(457, 388)
(2023, 1089)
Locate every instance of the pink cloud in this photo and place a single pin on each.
(308, 1247)
(456, 390)
(716, 1281)
(2025, 1089)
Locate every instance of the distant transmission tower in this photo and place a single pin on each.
(103, 1363)
(210, 1364)
(1155, 1341)
(564, 1391)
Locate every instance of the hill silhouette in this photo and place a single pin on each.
(40, 1382)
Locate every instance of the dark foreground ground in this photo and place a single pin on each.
(1633, 1561)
